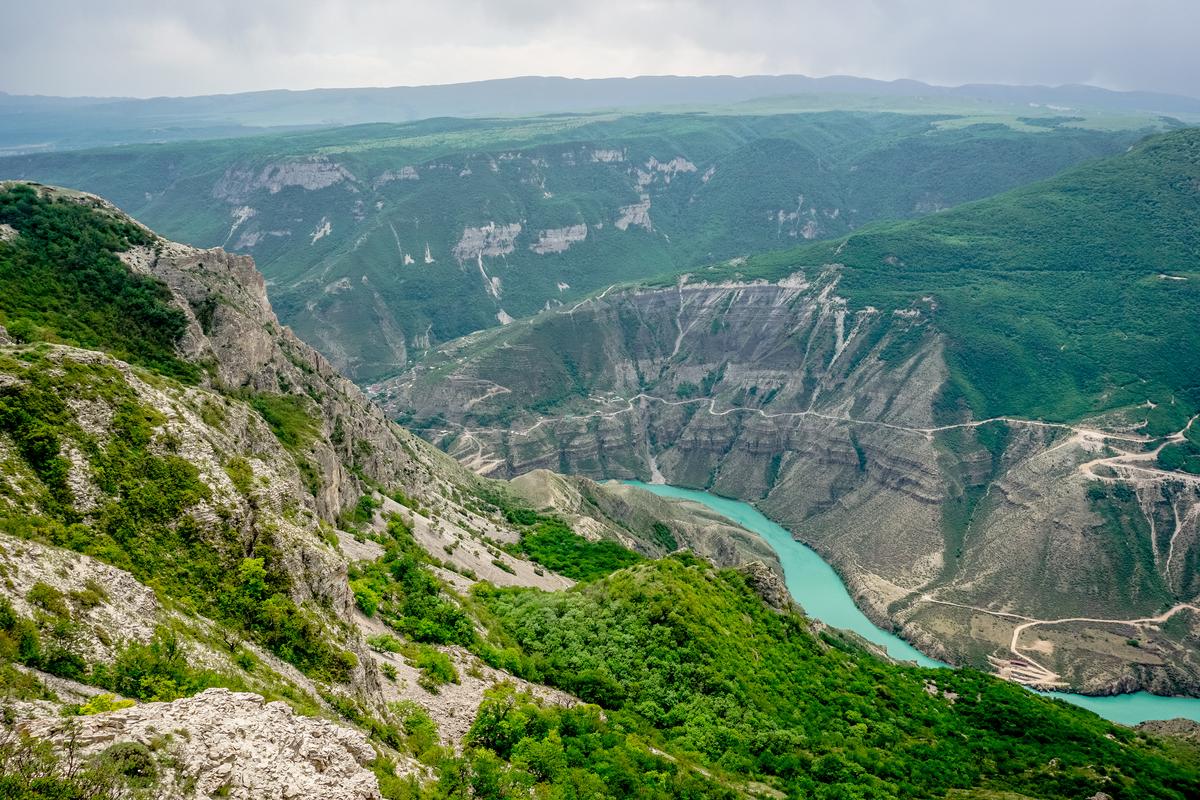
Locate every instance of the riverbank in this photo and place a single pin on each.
(818, 588)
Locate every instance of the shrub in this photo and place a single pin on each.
(48, 599)
(436, 668)
(103, 703)
(384, 643)
(132, 760)
(365, 597)
(241, 474)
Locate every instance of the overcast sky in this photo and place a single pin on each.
(157, 47)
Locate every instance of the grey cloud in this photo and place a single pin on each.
(142, 48)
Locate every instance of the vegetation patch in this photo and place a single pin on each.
(552, 543)
(399, 589)
(61, 281)
(681, 653)
(289, 417)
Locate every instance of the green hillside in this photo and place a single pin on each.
(381, 240)
(61, 280)
(1060, 299)
(677, 650)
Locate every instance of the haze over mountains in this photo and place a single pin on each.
(35, 123)
(382, 240)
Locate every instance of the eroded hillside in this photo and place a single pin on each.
(1006, 484)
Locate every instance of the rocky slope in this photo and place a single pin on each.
(160, 535)
(227, 744)
(224, 574)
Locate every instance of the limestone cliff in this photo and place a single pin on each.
(1039, 550)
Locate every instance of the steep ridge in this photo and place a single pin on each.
(363, 232)
(230, 512)
(957, 412)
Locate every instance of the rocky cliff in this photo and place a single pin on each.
(1050, 552)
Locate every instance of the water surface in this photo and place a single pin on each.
(821, 592)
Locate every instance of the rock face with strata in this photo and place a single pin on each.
(559, 240)
(829, 418)
(230, 744)
(489, 240)
(232, 326)
(311, 173)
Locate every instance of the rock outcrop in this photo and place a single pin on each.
(230, 744)
(115, 610)
(769, 586)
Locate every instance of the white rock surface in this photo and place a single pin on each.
(635, 214)
(490, 240)
(557, 240)
(232, 742)
(129, 611)
(311, 174)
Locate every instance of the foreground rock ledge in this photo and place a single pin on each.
(231, 743)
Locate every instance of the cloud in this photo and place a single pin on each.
(143, 48)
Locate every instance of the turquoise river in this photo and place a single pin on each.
(819, 589)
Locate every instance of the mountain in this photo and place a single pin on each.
(36, 123)
(982, 418)
(364, 233)
(227, 574)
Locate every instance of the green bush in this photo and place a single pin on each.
(436, 668)
(131, 760)
(384, 643)
(365, 596)
(48, 599)
(241, 474)
(419, 729)
(156, 671)
(555, 546)
(33, 770)
(102, 704)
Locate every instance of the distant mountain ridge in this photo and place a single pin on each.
(30, 123)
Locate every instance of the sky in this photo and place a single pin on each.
(163, 47)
